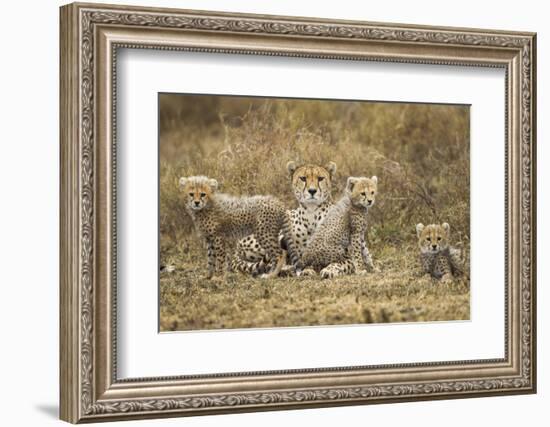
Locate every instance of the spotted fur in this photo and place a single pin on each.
(437, 257)
(222, 219)
(311, 185)
(338, 246)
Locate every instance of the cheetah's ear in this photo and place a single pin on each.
(374, 179)
(419, 229)
(213, 184)
(331, 168)
(291, 167)
(183, 181)
(446, 227)
(351, 183)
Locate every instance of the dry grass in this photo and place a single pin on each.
(419, 152)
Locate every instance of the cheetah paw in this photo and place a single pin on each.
(308, 272)
(288, 271)
(327, 274)
(447, 278)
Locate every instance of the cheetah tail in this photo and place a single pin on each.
(280, 263)
(252, 268)
(458, 259)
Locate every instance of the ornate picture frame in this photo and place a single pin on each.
(90, 37)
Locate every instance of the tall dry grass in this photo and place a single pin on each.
(420, 153)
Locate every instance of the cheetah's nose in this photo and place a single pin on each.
(434, 246)
(370, 202)
(197, 203)
(312, 191)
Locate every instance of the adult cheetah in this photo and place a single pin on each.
(311, 186)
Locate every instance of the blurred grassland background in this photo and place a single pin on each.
(420, 153)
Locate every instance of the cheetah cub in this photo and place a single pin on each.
(222, 219)
(438, 258)
(338, 246)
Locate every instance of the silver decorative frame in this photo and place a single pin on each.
(90, 36)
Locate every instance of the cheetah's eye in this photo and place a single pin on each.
(363, 194)
(203, 194)
(191, 194)
(303, 178)
(439, 238)
(372, 192)
(320, 178)
(428, 239)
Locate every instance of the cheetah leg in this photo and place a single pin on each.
(426, 267)
(230, 251)
(291, 247)
(367, 259)
(290, 268)
(360, 254)
(443, 268)
(216, 256)
(268, 238)
(210, 259)
(355, 251)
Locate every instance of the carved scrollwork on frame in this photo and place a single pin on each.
(89, 18)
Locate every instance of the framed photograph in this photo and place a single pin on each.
(302, 151)
(264, 212)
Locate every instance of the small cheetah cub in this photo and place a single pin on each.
(438, 258)
(222, 219)
(338, 246)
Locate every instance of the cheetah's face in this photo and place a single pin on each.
(362, 191)
(433, 238)
(311, 184)
(197, 191)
